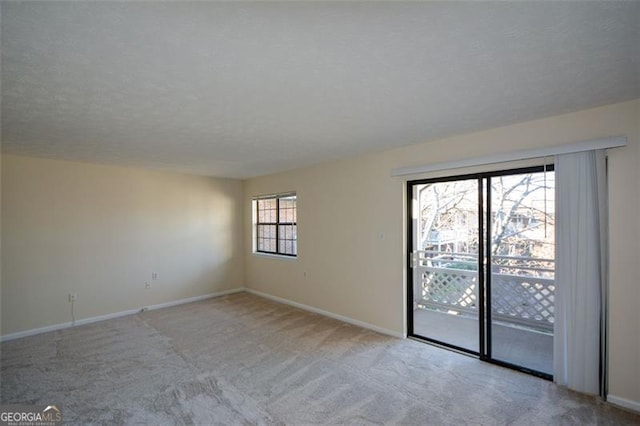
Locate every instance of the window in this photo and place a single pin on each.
(276, 230)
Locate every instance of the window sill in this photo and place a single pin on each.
(275, 256)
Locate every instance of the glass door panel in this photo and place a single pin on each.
(521, 283)
(445, 247)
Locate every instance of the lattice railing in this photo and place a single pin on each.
(519, 299)
(523, 300)
(449, 288)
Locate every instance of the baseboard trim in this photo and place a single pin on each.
(624, 403)
(83, 321)
(327, 314)
(194, 299)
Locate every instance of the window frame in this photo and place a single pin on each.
(277, 224)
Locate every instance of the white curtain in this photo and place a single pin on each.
(581, 271)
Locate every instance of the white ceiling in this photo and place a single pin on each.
(245, 89)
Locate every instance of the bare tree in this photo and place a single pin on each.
(518, 202)
(442, 206)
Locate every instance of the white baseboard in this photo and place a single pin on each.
(83, 321)
(327, 314)
(625, 403)
(193, 299)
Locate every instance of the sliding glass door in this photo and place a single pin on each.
(445, 262)
(521, 283)
(481, 265)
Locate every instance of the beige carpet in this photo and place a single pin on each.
(241, 359)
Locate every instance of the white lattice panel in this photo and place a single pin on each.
(449, 287)
(517, 299)
(527, 298)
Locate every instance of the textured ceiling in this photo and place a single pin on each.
(245, 89)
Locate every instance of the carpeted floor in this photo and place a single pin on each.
(241, 359)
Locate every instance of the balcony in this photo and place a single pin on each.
(446, 305)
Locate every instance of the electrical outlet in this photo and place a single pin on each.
(154, 276)
(73, 297)
(147, 285)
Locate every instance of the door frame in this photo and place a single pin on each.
(484, 257)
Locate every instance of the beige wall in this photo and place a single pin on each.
(100, 231)
(354, 261)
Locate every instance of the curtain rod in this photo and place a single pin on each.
(612, 142)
